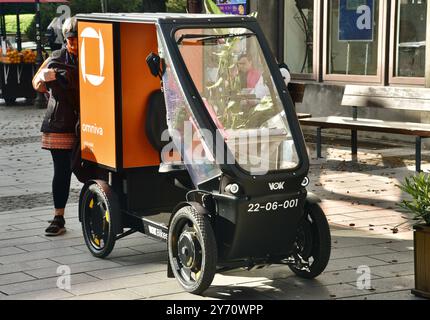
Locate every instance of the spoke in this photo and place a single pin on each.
(186, 274)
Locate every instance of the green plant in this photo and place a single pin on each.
(176, 5)
(418, 187)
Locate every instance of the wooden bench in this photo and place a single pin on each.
(393, 98)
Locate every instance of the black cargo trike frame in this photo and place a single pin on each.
(235, 218)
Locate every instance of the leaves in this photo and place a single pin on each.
(211, 7)
(418, 187)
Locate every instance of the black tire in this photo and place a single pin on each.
(313, 242)
(197, 231)
(97, 205)
(10, 101)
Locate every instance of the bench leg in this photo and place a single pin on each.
(354, 144)
(418, 154)
(319, 141)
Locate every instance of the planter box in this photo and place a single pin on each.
(422, 261)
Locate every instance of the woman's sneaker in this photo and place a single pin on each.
(56, 227)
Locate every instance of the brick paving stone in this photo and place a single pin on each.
(366, 250)
(393, 270)
(395, 257)
(149, 248)
(113, 284)
(87, 257)
(19, 234)
(182, 296)
(37, 255)
(345, 242)
(158, 289)
(392, 284)
(49, 294)
(404, 245)
(352, 263)
(142, 258)
(10, 251)
(53, 244)
(75, 268)
(122, 294)
(27, 266)
(125, 271)
(37, 285)
(14, 278)
(395, 295)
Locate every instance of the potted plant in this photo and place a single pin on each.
(418, 187)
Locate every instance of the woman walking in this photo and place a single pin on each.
(58, 78)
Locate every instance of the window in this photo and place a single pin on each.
(354, 40)
(230, 71)
(408, 41)
(300, 47)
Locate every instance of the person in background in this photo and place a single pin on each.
(249, 75)
(58, 78)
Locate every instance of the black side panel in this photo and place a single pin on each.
(250, 228)
(149, 191)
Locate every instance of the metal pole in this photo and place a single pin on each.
(2, 32)
(367, 58)
(40, 101)
(18, 31)
(428, 48)
(347, 57)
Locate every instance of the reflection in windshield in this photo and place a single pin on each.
(229, 70)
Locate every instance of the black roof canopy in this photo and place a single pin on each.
(162, 18)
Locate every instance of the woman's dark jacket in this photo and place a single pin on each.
(63, 104)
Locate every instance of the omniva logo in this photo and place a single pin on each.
(92, 129)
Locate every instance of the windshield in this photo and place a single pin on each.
(229, 69)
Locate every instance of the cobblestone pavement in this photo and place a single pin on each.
(359, 200)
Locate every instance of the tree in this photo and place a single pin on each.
(153, 6)
(176, 5)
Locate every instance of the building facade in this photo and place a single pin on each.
(330, 43)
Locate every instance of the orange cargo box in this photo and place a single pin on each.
(115, 85)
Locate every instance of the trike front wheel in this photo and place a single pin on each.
(192, 250)
(313, 244)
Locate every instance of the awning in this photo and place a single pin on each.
(24, 6)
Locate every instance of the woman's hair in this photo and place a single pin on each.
(70, 28)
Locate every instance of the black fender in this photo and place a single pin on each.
(115, 213)
(195, 205)
(311, 199)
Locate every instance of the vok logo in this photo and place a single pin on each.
(95, 80)
(276, 186)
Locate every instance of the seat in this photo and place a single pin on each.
(155, 125)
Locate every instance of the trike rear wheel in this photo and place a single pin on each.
(97, 205)
(313, 244)
(192, 250)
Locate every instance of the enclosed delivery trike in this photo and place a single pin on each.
(197, 143)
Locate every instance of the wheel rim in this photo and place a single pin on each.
(187, 252)
(304, 253)
(97, 222)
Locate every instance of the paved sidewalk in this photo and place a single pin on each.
(359, 200)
